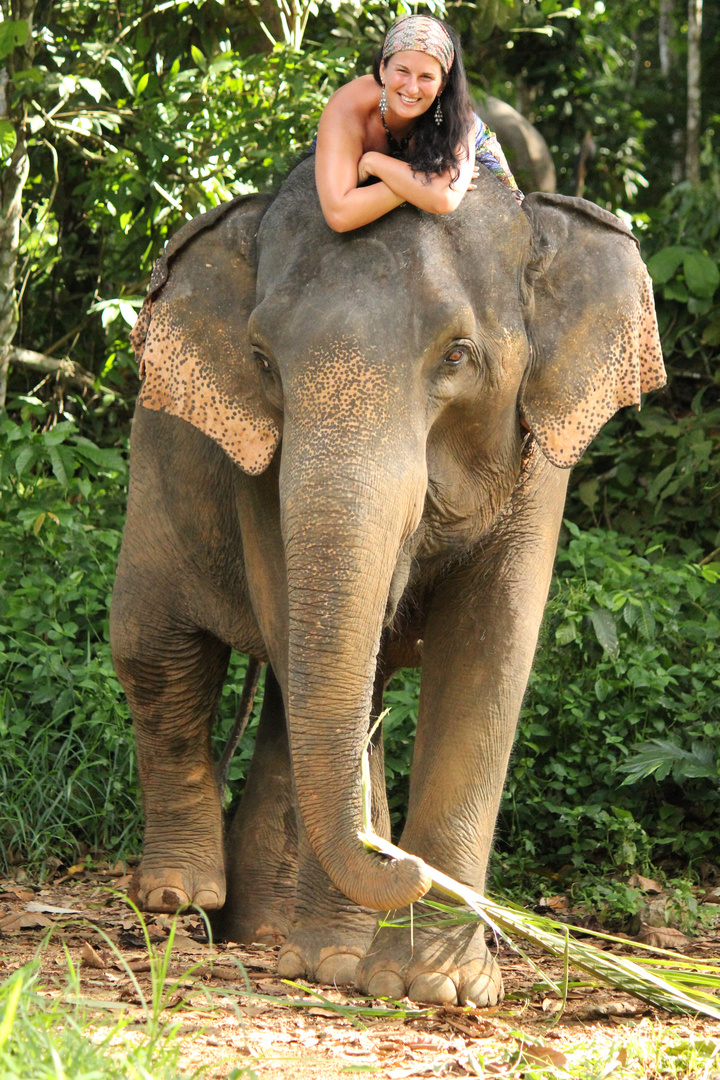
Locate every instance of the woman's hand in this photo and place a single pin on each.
(365, 167)
(475, 174)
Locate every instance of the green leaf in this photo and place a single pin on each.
(58, 465)
(701, 273)
(665, 263)
(605, 630)
(198, 57)
(27, 455)
(8, 139)
(566, 633)
(93, 87)
(711, 333)
(12, 34)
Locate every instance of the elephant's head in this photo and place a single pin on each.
(403, 365)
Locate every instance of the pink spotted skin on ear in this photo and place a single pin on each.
(628, 363)
(180, 381)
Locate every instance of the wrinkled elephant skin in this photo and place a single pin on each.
(349, 455)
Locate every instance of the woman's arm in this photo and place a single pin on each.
(438, 195)
(339, 148)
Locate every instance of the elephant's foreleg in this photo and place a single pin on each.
(262, 841)
(479, 643)
(172, 678)
(330, 934)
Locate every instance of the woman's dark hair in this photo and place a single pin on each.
(435, 146)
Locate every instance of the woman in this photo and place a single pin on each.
(409, 125)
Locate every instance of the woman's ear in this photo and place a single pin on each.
(591, 322)
(382, 72)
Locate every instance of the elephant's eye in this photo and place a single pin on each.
(262, 361)
(456, 357)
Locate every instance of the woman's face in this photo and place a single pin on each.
(412, 82)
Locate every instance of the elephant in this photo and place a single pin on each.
(350, 455)
(527, 152)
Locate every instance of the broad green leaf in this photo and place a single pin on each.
(12, 34)
(58, 466)
(27, 455)
(701, 273)
(646, 622)
(665, 263)
(198, 57)
(93, 87)
(605, 630)
(566, 633)
(711, 333)
(8, 139)
(142, 83)
(676, 290)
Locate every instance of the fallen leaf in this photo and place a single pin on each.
(553, 903)
(49, 909)
(713, 897)
(18, 894)
(542, 1055)
(20, 921)
(662, 937)
(90, 958)
(611, 1008)
(183, 943)
(645, 884)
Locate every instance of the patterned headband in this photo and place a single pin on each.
(420, 33)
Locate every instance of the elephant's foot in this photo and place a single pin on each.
(440, 967)
(169, 888)
(265, 918)
(327, 954)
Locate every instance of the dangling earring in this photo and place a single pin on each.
(383, 102)
(438, 111)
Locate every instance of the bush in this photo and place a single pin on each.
(630, 655)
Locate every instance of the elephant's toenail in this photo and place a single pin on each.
(165, 899)
(484, 990)
(290, 965)
(433, 988)
(208, 900)
(387, 984)
(338, 970)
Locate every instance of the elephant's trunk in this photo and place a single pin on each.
(344, 523)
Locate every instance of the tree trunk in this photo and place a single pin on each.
(12, 181)
(692, 146)
(665, 26)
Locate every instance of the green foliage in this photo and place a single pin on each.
(655, 475)
(66, 756)
(44, 1036)
(134, 129)
(684, 249)
(620, 732)
(631, 653)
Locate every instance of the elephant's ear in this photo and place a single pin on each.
(591, 321)
(191, 336)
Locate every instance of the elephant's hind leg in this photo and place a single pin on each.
(172, 677)
(262, 841)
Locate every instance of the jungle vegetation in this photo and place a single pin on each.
(120, 121)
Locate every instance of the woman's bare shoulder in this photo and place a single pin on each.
(359, 97)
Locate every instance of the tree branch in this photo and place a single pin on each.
(68, 370)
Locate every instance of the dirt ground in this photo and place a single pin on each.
(229, 1024)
